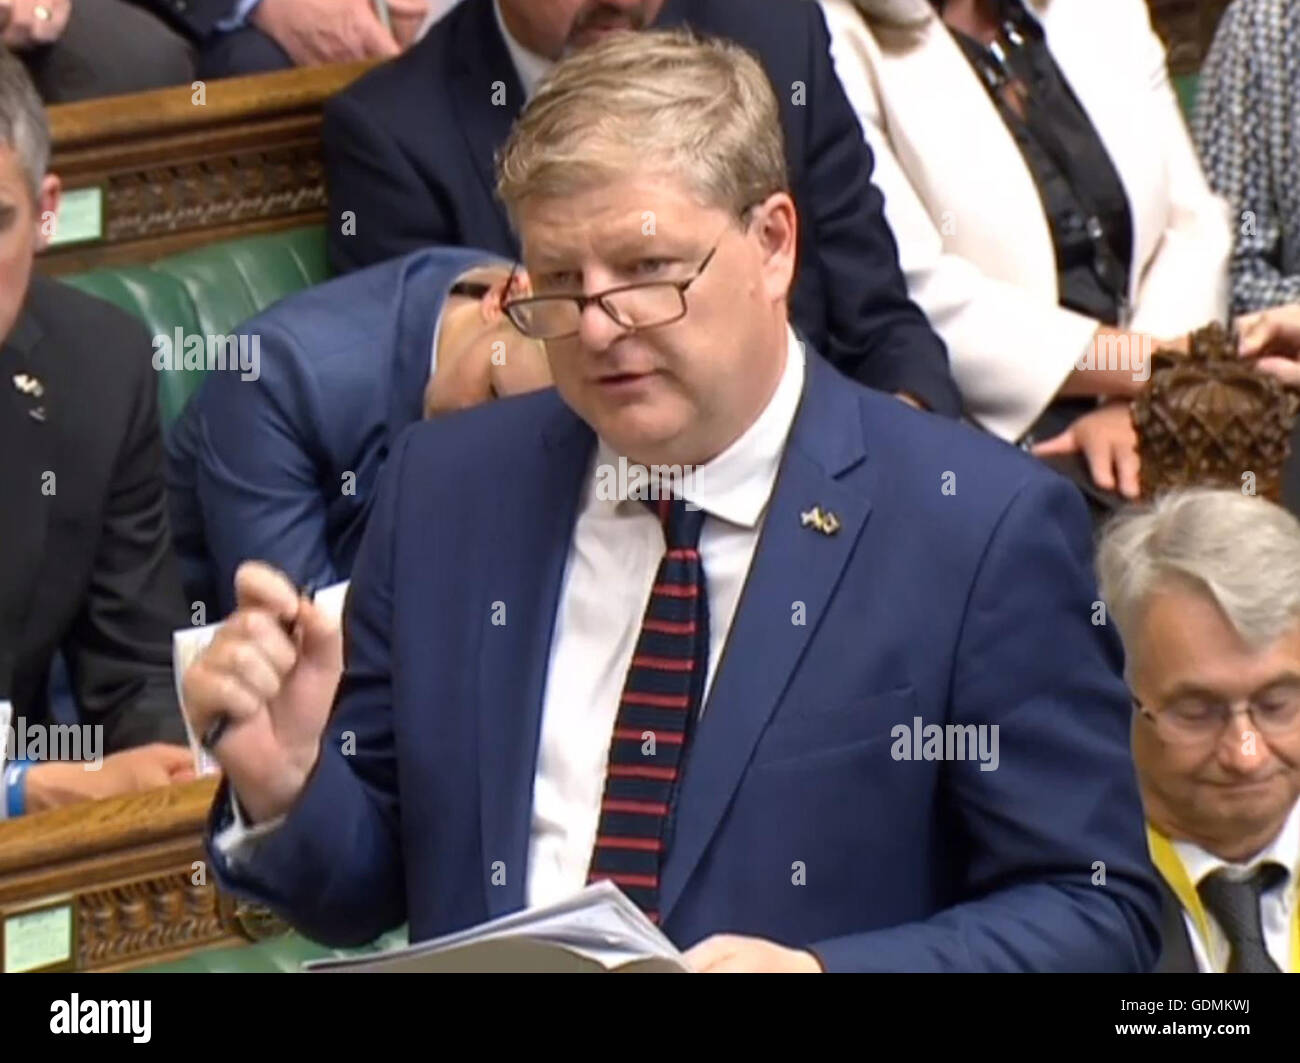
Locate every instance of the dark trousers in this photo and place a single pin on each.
(245, 51)
(109, 47)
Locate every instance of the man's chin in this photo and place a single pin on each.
(590, 35)
(641, 436)
(1248, 806)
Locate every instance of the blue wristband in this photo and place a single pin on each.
(15, 787)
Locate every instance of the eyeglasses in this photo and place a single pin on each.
(1198, 721)
(631, 306)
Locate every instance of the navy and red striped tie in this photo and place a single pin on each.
(656, 717)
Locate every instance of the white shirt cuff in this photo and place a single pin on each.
(238, 18)
(237, 841)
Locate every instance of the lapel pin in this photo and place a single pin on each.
(29, 385)
(827, 523)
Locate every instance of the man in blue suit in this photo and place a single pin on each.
(409, 154)
(284, 468)
(836, 701)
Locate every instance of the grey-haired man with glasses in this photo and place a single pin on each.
(1205, 588)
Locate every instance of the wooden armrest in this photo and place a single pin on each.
(76, 833)
(132, 872)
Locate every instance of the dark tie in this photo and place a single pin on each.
(656, 716)
(1234, 903)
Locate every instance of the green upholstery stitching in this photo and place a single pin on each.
(210, 291)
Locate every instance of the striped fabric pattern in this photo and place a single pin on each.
(656, 716)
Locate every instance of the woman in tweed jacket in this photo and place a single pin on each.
(1247, 121)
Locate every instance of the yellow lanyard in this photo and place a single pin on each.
(1165, 857)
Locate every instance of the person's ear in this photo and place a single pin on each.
(47, 209)
(777, 226)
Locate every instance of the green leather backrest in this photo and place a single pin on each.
(210, 291)
(1185, 85)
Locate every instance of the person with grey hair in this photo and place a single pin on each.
(555, 678)
(1204, 586)
(86, 569)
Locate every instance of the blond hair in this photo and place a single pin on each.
(663, 101)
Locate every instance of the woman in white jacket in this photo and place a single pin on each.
(1051, 215)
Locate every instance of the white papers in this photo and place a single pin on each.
(189, 642)
(595, 930)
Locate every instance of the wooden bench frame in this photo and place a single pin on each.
(173, 175)
(133, 871)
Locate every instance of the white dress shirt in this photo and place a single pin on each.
(1277, 906)
(530, 66)
(613, 557)
(615, 552)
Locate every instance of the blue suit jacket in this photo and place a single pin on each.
(965, 605)
(409, 150)
(255, 469)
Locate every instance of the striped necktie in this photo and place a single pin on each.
(656, 716)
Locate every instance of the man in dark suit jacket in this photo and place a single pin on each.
(852, 578)
(86, 567)
(409, 152)
(284, 468)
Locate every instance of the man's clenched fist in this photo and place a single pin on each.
(271, 670)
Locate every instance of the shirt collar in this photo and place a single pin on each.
(736, 485)
(530, 66)
(1283, 849)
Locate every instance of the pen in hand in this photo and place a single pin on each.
(218, 727)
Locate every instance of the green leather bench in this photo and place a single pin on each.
(210, 291)
(1185, 85)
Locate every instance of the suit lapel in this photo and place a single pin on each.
(538, 512)
(1122, 124)
(25, 455)
(1176, 956)
(792, 563)
(673, 13)
(483, 71)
